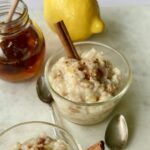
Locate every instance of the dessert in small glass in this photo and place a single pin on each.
(87, 90)
(37, 135)
(22, 45)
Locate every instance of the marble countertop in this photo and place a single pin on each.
(127, 29)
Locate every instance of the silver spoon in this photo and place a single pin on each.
(116, 135)
(45, 96)
(42, 91)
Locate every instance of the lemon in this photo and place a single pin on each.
(81, 17)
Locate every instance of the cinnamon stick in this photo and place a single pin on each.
(66, 40)
(97, 146)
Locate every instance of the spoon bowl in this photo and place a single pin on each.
(116, 135)
(42, 91)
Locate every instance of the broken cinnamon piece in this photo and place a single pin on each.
(97, 146)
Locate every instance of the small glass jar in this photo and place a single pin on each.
(90, 113)
(22, 45)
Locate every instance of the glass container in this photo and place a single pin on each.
(27, 130)
(22, 45)
(94, 112)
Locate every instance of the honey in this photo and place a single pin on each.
(22, 48)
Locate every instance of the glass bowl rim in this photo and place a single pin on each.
(42, 123)
(32, 122)
(112, 99)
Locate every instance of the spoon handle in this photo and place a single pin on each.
(56, 119)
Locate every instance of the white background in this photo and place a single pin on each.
(127, 29)
(39, 4)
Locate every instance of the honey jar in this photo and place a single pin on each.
(22, 45)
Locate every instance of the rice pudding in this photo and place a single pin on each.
(91, 79)
(80, 86)
(42, 143)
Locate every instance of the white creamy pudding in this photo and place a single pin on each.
(90, 80)
(42, 143)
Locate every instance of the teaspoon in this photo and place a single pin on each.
(116, 135)
(45, 96)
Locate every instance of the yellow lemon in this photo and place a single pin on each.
(81, 17)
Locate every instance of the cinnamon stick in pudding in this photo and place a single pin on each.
(66, 40)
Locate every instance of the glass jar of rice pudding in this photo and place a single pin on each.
(86, 91)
